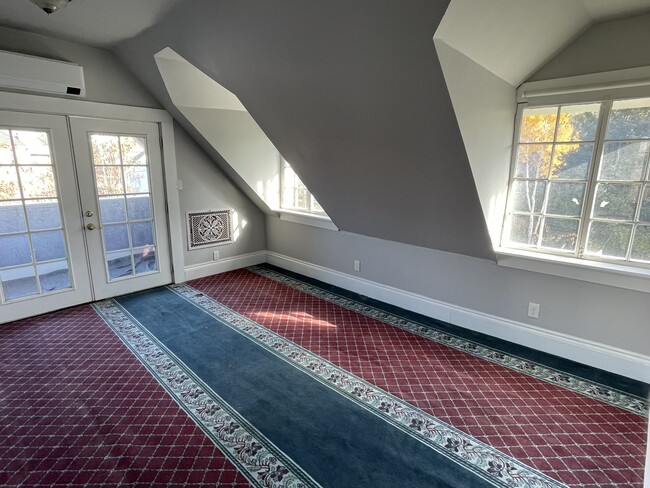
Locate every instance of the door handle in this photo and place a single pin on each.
(91, 227)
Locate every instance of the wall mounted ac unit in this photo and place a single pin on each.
(34, 74)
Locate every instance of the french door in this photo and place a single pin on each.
(82, 211)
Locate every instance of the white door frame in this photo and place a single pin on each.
(20, 102)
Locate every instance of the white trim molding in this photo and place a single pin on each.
(623, 83)
(225, 264)
(612, 359)
(611, 274)
(304, 218)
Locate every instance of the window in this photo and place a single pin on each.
(295, 195)
(580, 184)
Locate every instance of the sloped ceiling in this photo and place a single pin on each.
(352, 95)
(513, 38)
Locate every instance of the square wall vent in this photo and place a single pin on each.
(209, 228)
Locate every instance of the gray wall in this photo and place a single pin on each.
(607, 315)
(207, 188)
(612, 45)
(107, 80)
(352, 95)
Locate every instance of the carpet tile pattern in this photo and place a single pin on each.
(77, 409)
(261, 462)
(571, 437)
(454, 444)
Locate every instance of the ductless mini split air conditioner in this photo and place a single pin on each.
(41, 75)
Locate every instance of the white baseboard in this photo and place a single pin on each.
(612, 359)
(225, 264)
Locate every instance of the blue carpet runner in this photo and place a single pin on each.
(288, 418)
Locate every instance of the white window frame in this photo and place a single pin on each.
(599, 87)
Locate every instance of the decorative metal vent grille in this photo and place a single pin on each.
(208, 228)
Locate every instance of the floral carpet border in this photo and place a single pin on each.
(263, 464)
(485, 461)
(584, 387)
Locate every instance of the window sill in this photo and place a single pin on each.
(617, 275)
(307, 219)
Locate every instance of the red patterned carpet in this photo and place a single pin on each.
(78, 409)
(575, 439)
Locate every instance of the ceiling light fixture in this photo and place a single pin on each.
(50, 6)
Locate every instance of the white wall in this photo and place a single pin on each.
(205, 187)
(485, 108)
(225, 123)
(107, 80)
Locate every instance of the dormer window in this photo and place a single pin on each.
(295, 195)
(580, 182)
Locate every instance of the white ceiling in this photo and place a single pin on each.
(513, 38)
(100, 23)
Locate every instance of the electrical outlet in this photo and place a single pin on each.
(215, 255)
(357, 265)
(533, 310)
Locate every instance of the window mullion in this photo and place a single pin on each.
(547, 189)
(592, 178)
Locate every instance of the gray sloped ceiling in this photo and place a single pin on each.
(352, 94)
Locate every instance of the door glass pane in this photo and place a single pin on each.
(136, 179)
(48, 245)
(112, 209)
(119, 264)
(6, 151)
(142, 234)
(18, 282)
(145, 260)
(32, 147)
(134, 150)
(54, 276)
(124, 191)
(15, 250)
(43, 214)
(116, 237)
(139, 207)
(12, 217)
(29, 205)
(9, 186)
(105, 149)
(109, 180)
(37, 181)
